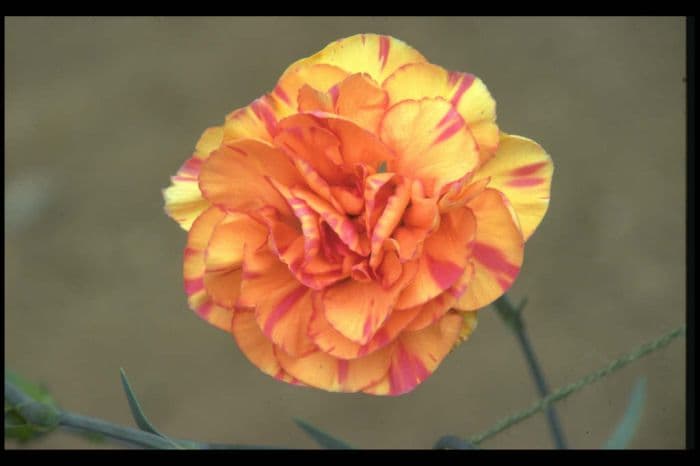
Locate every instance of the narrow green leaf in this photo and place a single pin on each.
(625, 430)
(382, 167)
(136, 411)
(452, 442)
(322, 438)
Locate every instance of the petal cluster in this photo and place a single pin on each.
(346, 226)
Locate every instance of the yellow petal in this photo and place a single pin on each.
(497, 252)
(466, 92)
(194, 269)
(416, 355)
(376, 55)
(431, 142)
(521, 170)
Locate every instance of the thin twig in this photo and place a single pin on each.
(564, 392)
(513, 317)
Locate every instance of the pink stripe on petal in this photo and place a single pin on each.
(205, 309)
(279, 92)
(503, 283)
(444, 273)
(406, 372)
(334, 92)
(448, 132)
(464, 85)
(282, 308)
(494, 259)
(191, 167)
(194, 285)
(384, 45)
(263, 112)
(528, 169)
(525, 182)
(342, 371)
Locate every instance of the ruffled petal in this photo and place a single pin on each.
(357, 98)
(497, 253)
(194, 268)
(331, 341)
(256, 347)
(431, 141)
(376, 55)
(209, 141)
(255, 121)
(183, 199)
(319, 77)
(236, 176)
(358, 309)
(332, 145)
(416, 355)
(521, 170)
(224, 256)
(466, 92)
(444, 259)
(433, 310)
(322, 370)
(282, 305)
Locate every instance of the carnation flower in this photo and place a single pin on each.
(347, 226)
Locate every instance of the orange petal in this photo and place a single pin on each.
(321, 370)
(461, 192)
(255, 346)
(289, 89)
(357, 145)
(360, 99)
(194, 267)
(522, 171)
(282, 304)
(348, 231)
(431, 141)
(416, 355)
(466, 92)
(378, 188)
(313, 100)
(235, 177)
(373, 54)
(358, 309)
(437, 307)
(224, 256)
(497, 253)
(388, 221)
(332, 145)
(444, 258)
(330, 341)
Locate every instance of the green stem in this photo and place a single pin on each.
(47, 417)
(125, 434)
(513, 317)
(564, 392)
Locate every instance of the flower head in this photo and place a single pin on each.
(347, 226)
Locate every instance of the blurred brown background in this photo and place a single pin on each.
(100, 112)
